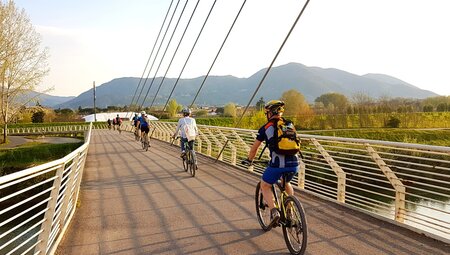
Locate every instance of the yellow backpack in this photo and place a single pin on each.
(285, 140)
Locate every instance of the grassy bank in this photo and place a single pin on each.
(32, 154)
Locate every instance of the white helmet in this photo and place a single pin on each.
(143, 113)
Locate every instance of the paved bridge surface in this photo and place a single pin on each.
(136, 202)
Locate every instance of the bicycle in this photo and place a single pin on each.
(292, 215)
(189, 158)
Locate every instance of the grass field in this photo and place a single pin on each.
(32, 154)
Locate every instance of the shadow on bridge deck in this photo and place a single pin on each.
(135, 202)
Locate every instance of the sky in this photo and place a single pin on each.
(100, 40)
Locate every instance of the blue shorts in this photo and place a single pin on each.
(272, 174)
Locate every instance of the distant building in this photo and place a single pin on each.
(104, 116)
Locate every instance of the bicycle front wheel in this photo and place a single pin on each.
(295, 230)
(262, 209)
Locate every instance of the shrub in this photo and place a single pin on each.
(393, 122)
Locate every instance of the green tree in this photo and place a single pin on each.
(173, 107)
(38, 117)
(296, 103)
(428, 108)
(229, 110)
(201, 113)
(393, 122)
(442, 107)
(260, 104)
(22, 62)
(333, 100)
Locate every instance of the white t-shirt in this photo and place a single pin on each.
(183, 121)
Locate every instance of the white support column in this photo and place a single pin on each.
(336, 168)
(301, 175)
(71, 182)
(50, 213)
(198, 143)
(395, 182)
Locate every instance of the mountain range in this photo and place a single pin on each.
(219, 90)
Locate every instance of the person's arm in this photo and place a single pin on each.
(177, 129)
(195, 126)
(253, 150)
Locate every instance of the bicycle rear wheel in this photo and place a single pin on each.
(185, 162)
(295, 230)
(262, 209)
(192, 163)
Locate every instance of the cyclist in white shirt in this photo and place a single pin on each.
(182, 123)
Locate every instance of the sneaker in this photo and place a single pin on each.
(274, 217)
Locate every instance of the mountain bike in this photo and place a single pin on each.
(292, 215)
(189, 158)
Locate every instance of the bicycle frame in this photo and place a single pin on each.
(280, 204)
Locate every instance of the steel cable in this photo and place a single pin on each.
(157, 52)
(190, 53)
(265, 74)
(223, 43)
(150, 56)
(164, 54)
(174, 54)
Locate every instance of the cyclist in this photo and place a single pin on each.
(144, 124)
(118, 122)
(135, 122)
(278, 164)
(186, 124)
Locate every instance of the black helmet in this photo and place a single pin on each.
(274, 106)
(186, 111)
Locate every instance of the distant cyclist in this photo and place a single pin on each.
(280, 162)
(134, 122)
(118, 122)
(144, 124)
(187, 126)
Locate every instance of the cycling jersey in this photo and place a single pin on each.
(143, 121)
(266, 133)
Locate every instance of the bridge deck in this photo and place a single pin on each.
(135, 202)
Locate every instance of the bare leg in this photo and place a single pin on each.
(266, 189)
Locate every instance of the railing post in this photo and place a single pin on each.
(199, 145)
(50, 213)
(71, 182)
(395, 182)
(301, 175)
(233, 155)
(336, 168)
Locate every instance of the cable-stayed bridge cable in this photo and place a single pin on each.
(156, 55)
(190, 53)
(174, 54)
(150, 56)
(226, 37)
(164, 54)
(265, 74)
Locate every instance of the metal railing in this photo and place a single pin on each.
(406, 184)
(37, 204)
(53, 129)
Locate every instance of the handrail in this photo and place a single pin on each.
(362, 174)
(54, 189)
